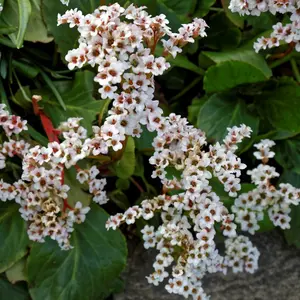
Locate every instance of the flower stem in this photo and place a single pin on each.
(295, 69)
(139, 187)
(185, 90)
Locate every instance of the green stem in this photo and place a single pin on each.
(281, 61)
(295, 69)
(216, 9)
(185, 90)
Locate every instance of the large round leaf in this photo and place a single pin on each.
(234, 68)
(222, 111)
(288, 154)
(13, 235)
(222, 34)
(10, 291)
(280, 105)
(86, 272)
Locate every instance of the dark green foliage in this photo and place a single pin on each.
(217, 82)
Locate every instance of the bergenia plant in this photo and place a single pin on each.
(128, 48)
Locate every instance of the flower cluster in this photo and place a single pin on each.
(41, 191)
(10, 123)
(190, 217)
(289, 33)
(250, 207)
(123, 52)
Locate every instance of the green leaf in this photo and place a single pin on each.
(16, 13)
(37, 136)
(288, 154)
(17, 272)
(12, 291)
(235, 68)
(124, 167)
(122, 184)
(176, 11)
(222, 111)
(180, 61)
(53, 89)
(8, 29)
(87, 271)
(25, 68)
(194, 108)
(290, 177)
(78, 99)
(292, 235)
(120, 199)
(235, 18)
(172, 172)
(13, 235)
(36, 29)
(183, 62)
(280, 105)
(180, 7)
(76, 193)
(222, 34)
(144, 142)
(139, 166)
(22, 97)
(202, 7)
(218, 188)
(265, 224)
(65, 37)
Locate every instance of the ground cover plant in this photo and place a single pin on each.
(175, 123)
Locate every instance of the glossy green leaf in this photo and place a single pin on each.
(222, 111)
(194, 108)
(76, 192)
(279, 105)
(78, 99)
(86, 272)
(65, 37)
(144, 142)
(124, 167)
(37, 136)
(176, 10)
(119, 198)
(234, 68)
(7, 29)
(292, 235)
(183, 62)
(265, 224)
(218, 188)
(16, 13)
(22, 97)
(36, 29)
(12, 291)
(172, 172)
(13, 235)
(122, 184)
(222, 34)
(235, 18)
(288, 154)
(202, 7)
(17, 272)
(25, 68)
